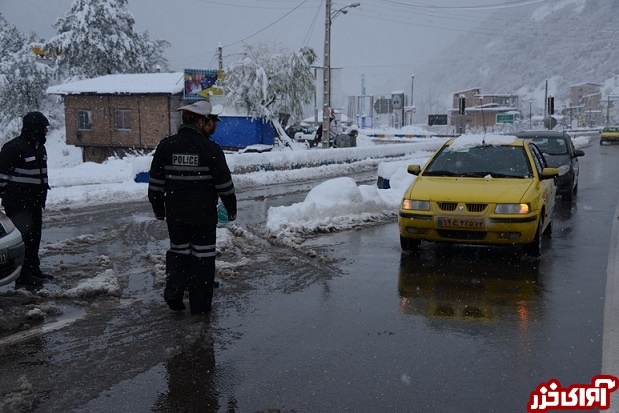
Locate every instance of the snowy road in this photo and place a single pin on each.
(344, 322)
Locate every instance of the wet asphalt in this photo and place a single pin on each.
(451, 329)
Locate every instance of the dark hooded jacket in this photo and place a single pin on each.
(23, 166)
(187, 176)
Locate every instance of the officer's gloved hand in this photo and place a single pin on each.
(231, 217)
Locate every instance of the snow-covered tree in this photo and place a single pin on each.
(11, 39)
(97, 38)
(22, 86)
(268, 81)
(23, 80)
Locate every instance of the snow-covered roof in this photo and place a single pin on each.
(168, 83)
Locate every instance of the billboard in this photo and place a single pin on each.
(437, 120)
(201, 83)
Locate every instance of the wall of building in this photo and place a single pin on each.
(149, 121)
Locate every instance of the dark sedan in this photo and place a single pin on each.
(560, 153)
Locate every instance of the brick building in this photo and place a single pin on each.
(586, 105)
(482, 109)
(116, 114)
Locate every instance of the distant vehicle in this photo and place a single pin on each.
(494, 190)
(302, 133)
(609, 134)
(560, 153)
(11, 251)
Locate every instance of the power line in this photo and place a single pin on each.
(270, 25)
(313, 25)
(516, 3)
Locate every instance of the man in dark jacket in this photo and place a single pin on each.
(187, 176)
(23, 188)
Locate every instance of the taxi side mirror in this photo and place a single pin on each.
(413, 169)
(579, 152)
(548, 173)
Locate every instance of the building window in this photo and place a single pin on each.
(84, 120)
(122, 119)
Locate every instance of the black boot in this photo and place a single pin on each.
(177, 269)
(28, 280)
(201, 284)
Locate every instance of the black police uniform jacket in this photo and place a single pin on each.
(23, 173)
(188, 174)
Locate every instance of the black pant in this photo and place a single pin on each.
(29, 223)
(190, 264)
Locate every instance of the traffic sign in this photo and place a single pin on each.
(504, 118)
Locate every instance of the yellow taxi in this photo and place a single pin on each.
(480, 189)
(609, 134)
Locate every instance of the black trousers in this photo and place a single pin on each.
(29, 223)
(190, 265)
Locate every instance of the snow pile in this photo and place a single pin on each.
(105, 283)
(35, 314)
(333, 205)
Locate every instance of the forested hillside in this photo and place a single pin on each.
(566, 42)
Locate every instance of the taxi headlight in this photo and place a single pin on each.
(416, 204)
(512, 209)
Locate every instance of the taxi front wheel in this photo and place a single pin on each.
(409, 244)
(534, 249)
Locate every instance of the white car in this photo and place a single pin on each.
(11, 251)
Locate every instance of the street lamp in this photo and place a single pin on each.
(326, 101)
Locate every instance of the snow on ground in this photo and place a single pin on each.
(75, 183)
(333, 205)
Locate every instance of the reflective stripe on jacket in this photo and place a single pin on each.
(187, 176)
(23, 174)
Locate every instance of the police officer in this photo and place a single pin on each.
(23, 188)
(187, 176)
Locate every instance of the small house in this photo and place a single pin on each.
(115, 115)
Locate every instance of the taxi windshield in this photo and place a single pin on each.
(481, 161)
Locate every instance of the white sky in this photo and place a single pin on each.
(386, 41)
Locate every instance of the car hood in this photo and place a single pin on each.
(471, 190)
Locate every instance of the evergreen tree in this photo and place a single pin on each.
(11, 39)
(97, 38)
(25, 82)
(267, 82)
(23, 79)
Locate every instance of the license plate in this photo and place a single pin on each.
(3, 256)
(464, 223)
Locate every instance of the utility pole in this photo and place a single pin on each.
(545, 101)
(326, 75)
(326, 100)
(220, 57)
(315, 94)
